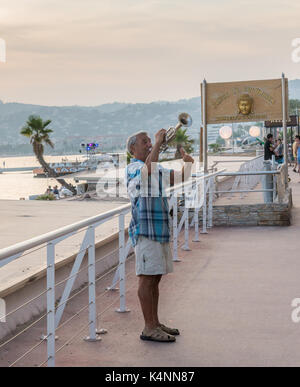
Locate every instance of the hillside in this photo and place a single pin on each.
(108, 124)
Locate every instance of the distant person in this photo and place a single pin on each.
(279, 151)
(49, 190)
(295, 152)
(56, 192)
(3, 164)
(298, 156)
(269, 147)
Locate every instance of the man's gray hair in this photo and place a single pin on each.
(131, 140)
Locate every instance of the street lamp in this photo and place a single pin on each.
(225, 132)
(254, 131)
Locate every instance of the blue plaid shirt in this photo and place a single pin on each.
(150, 215)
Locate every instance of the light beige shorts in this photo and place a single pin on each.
(152, 257)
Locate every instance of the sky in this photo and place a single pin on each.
(90, 52)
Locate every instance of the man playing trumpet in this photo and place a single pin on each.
(149, 227)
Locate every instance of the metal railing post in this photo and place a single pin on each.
(210, 205)
(196, 220)
(92, 287)
(204, 209)
(122, 259)
(115, 280)
(196, 215)
(186, 230)
(51, 304)
(274, 177)
(175, 232)
(274, 188)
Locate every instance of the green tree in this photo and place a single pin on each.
(182, 140)
(128, 157)
(215, 147)
(294, 106)
(38, 133)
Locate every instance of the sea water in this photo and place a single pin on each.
(17, 185)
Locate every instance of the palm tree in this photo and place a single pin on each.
(182, 140)
(38, 133)
(215, 147)
(128, 157)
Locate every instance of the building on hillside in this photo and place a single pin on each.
(213, 133)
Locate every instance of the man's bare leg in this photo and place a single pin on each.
(155, 299)
(145, 294)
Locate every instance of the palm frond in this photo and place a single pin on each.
(46, 123)
(26, 131)
(36, 129)
(182, 139)
(49, 142)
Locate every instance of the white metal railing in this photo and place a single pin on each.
(196, 192)
(248, 182)
(249, 176)
(244, 180)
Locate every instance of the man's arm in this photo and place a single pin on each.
(154, 154)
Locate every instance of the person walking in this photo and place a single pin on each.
(295, 152)
(149, 226)
(298, 156)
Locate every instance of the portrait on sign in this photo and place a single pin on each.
(245, 104)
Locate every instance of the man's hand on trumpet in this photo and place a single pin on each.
(160, 137)
(186, 157)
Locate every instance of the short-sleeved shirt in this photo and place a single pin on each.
(268, 152)
(150, 215)
(295, 149)
(279, 150)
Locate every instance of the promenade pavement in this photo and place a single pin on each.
(230, 297)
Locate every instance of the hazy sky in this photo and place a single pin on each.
(89, 52)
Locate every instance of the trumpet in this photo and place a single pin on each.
(184, 119)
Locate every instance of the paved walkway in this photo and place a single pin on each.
(230, 297)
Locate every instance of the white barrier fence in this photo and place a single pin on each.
(248, 182)
(198, 195)
(270, 174)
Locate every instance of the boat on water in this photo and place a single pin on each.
(64, 168)
(69, 167)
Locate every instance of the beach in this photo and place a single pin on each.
(17, 185)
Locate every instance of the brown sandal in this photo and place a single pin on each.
(170, 331)
(159, 335)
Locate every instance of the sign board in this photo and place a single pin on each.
(278, 123)
(246, 101)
